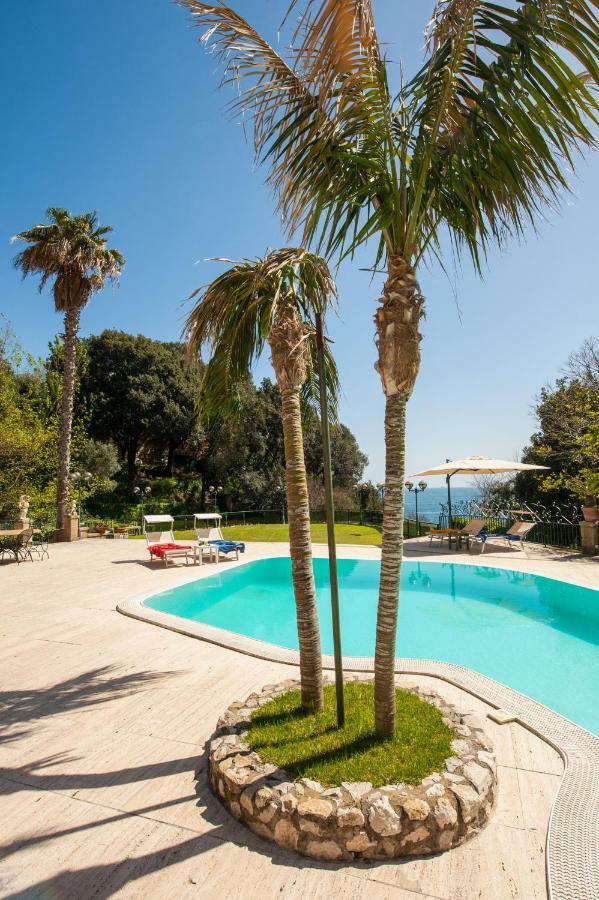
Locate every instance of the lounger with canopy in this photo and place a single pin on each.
(208, 531)
(158, 532)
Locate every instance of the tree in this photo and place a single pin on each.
(273, 300)
(140, 393)
(72, 251)
(568, 437)
(472, 146)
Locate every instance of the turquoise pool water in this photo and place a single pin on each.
(538, 635)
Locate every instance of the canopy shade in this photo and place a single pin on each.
(153, 520)
(475, 465)
(207, 516)
(479, 465)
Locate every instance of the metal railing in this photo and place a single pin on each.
(565, 535)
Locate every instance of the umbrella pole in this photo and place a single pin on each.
(330, 517)
(449, 518)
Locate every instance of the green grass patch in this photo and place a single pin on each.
(311, 746)
(345, 534)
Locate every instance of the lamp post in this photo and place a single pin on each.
(330, 517)
(362, 490)
(215, 491)
(79, 479)
(282, 492)
(416, 489)
(142, 493)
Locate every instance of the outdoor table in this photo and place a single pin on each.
(449, 533)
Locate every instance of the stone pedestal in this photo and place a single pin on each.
(21, 524)
(589, 538)
(70, 530)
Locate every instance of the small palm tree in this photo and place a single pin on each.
(71, 250)
(473, 146)
(273, 300)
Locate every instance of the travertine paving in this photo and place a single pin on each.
(103, 721)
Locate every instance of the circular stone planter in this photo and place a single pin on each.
(354, 820)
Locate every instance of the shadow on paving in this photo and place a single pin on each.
(25, 707)
(105, 880)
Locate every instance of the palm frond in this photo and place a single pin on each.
(499, 112)
(236, 313)
(67, 248)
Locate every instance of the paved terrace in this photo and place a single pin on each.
(103, 722)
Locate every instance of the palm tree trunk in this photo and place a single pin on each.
(298, 512)
(392, 550)
(397, 322)
(71, 327)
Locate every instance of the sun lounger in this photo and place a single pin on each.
(161, 542)
(514, 535)
(207, 529)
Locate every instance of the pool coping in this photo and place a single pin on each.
(572, 857)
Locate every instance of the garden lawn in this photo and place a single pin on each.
(345, 534)
(311, 745)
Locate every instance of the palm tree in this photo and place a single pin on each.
(71, 250)
(472, 147)
(273, 300)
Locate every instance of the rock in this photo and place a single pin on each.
(286, 834)
(453, 764)
(432, 779)
(463, 730)
(359, 842)
(235, 809)
(473, 721)
(415, 837)
(415, 809)
(460, 748)
(445, 813)
(310, 827)
(324, 850)
(246, 801)
(267, 814)
(383, 819)
(435, 790)
(469, 800)
(349, 818)
(455, 779)
(315, 807)
(480, 777)
(311, 785)
(335, 793)
(445, 839)
(357, 789)
(288, 803)
(487, 759)
(262, 797)
(261, 830)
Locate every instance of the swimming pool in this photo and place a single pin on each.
(537, 635)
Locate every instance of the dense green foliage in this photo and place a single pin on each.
(312, 746)
(568, 436)
(138, 423)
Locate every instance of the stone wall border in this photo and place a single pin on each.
(355, 820)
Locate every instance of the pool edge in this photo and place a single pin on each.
(572, 863)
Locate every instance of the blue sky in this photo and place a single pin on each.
(114, 106)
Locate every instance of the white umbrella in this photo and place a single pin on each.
(475, 465)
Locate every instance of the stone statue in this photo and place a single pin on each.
(24, 501)
(71, 508)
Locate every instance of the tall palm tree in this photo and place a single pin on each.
(274, 300)
(71, 250)
(472, 147)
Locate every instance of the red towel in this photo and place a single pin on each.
(160, 549)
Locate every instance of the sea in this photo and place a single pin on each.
(430, 500)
